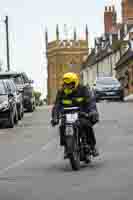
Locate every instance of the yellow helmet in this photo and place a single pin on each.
(71, 77)
(68, 79)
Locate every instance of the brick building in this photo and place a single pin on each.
(127, 11)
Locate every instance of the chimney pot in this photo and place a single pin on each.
(106, 8)
(113, 8)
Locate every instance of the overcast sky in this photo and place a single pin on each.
(27, 21)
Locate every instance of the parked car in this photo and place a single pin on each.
(18, 96)
(24, 86)
(8, 106)
(108, 88)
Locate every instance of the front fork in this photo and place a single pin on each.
(68, 141)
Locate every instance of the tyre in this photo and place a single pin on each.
(11, 120)
(74, 155)
(31, 108)
(16, 117)
(97, 99)
(19, 114)
(22, 114)
(75, 161)
(121, 98)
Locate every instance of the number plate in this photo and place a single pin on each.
(110, 93)
(69, 131)
(70, 118)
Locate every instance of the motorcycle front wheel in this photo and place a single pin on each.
(75, 158)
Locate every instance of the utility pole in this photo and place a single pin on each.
(7, 44)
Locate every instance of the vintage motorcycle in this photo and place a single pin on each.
(75, 143)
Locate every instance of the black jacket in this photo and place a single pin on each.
(81, 97)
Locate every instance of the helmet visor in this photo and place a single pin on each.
(69, 85)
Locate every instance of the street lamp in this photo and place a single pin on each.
(7, 41)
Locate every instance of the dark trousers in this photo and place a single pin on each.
(86, 129)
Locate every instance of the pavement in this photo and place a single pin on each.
(32, 165)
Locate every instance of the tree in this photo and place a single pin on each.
(37, 97)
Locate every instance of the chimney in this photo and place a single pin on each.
(113, 8)
(110, 18)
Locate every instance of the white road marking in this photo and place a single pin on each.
(27, 158)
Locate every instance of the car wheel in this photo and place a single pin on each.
(16, 117)
(122, 96)
(31, 108)
(19, 114)
(34, 106)
(11, 120)
(22, 114)
(122, 99)
(97, 100)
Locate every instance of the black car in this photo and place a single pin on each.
(108, 88)
(8, 107)
(24, 86)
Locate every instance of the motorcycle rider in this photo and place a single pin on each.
(72, 94)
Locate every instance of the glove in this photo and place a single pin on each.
(94, 117)
(54, 122)
(84, 114)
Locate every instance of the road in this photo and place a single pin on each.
(32, 165)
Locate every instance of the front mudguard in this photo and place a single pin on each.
(69, 144)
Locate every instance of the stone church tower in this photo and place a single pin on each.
(63, 56)
(127, 11)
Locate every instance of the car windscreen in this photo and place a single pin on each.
(107, 82)
(18, 80)
(2, 88)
